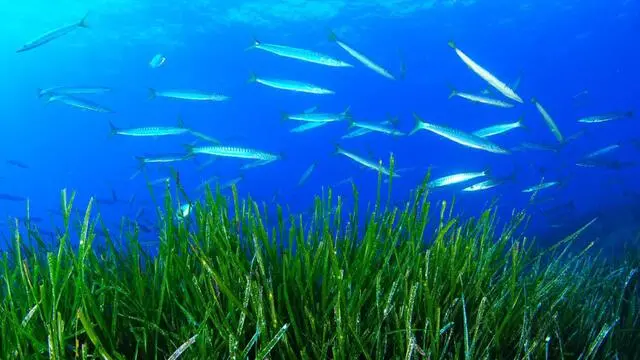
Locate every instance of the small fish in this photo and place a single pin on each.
(366, 163)
(360, 57)
(233, 152)
(480, 99)
(300, 54)
(193, 95)
(376, 128)
(484, 185)
(79, 103)
(18, 164)
(307, 126)
(486, 75)
(306, 174)
(602, 151)
(163, 159)
(184, 211)
(160, 181)
(460, 137)
(76, 90)
(534, 146)
(455, 179)
(157, 61)
(291, 85)
(54, 34)
(318, 117)
(149, 131)
(541, 186)
(580, 94)
(230, 183)
(498, 129)
(361, 131)
(256, 164)
(606, 164)
(606, 117)
(547, 118)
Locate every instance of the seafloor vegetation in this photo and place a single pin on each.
(221, 287)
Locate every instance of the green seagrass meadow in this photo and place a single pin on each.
(412, 282)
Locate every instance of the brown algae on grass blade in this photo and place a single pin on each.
(389, 287)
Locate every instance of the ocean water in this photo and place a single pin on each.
(577, 58)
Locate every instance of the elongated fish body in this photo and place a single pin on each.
(157, 61)
(291, 85)
(187, 95)
(306, 174)
(66, 90)
(497, 129)
(79, 103)
(150, 131)
(367, 163)
(256, 164)
(486, 75)
(602, 151)
(377, 128)
(234, 152)
(362, 131)
(54, 34)
(541, 186)
(460, 137)
(455, 179)
(549, 120)
(484, 185)
(300, 54)
(360, 57)
(161, 159)
(481, 99)
(307, 126)
(606, 117)
(318, 117)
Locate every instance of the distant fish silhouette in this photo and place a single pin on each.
(17, 163)
(10, 197)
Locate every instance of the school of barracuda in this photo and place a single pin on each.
(482, 139)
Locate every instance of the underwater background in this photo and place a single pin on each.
(578, 58)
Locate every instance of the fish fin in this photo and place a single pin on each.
(452, 44)
(393, 121)
(346, 114)
(252, 78)
(189, 148)
(255, 44)
(351, 123)
(141, 164)
(521, 123)
(284, 116)
(114, 129)
(181, 122)
(83, 22)
(152, 93)
(629, 114)
(332, 36)
(453, 92)
(534, 100)
(417, 125)
(337, 149)
(283, 155)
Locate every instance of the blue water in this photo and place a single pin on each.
(559, 49)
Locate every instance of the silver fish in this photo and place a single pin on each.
(547, 118)
(361, 131)
(306, 174)
(366, 163)
(460, 137)
(360, 57)
(376, 128)
(291, 85)
(307, 126)
(544, 185)
(318, 117)
(480, 99)
(300, 54)
(455, 179)
(606, 117)
(149, 131)
(484, 185)
(602, 151)
(157, 61)
(79, 103)
(233, 152)
(76, 90)
(498, 129)
(54, 34)
(486, 75)
(193, 95)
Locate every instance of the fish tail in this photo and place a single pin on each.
(452, 44)
(114, 196)
(83, 22)
(338, 149)
(152, 93)
(332, 36)
(521, 123)
(141, 163)
(453, 92)
(284, 116)
(629, 114)
(346, 114)
(255, 44)
(534, 100)
(114, 129)
(417, 125)
(252, 78)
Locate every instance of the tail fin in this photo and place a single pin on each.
(521, 124)
(452, 44)
(338, 149)
(252, 78)
(114, 196)
(346, 114)
(83, 22)
(417, 125)
(629, 114)
(152, 93)
(114, 129)
(255, 44)
(141, 163)
(332, 36)
(284, 116)
(453, 93)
